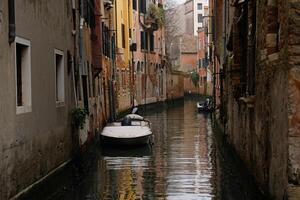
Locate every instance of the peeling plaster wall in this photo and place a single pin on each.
(294, 90)
(32, 144)
(259, 133)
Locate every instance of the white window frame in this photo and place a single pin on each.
(27, 107)
(59, 103)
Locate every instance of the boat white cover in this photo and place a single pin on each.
(126, 131)
(135, 116)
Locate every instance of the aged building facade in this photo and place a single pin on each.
(256, 44)
(148, 52)
(183, 58)
(60, 55)
(37, 94)
(202, 58)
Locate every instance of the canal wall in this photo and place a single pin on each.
(175, 85)
(261, 95)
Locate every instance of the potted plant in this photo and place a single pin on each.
(78, 116)
(155, 16)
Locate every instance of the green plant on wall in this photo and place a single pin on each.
(78, 116)
(195, 78)
(157, 13)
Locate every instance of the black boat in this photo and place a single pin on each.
(205, 106)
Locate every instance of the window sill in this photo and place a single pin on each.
(23, 109)
(60, 104)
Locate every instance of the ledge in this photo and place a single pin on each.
(23, 109)
(60, 104)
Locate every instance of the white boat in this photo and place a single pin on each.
(131, 130)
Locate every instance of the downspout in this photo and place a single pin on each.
(131, 71)
(81, 47)
(213, 50)
(113, 75)
(112, 108)
(11, 21)
(145, 73)
(113, 43)
(74, 52)
(132, 79)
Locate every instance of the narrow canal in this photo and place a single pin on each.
(187, 161)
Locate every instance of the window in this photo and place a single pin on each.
(106, 41)
(134, 5)
(199, 6)
(84, 80)
(159, 46)
(138, 67)
(123, 35)
(200, 18)
(142, 6)
(88, 12)
(144, 40)
(23, 75)
(151, 42)
(142, 66)
(59, 77)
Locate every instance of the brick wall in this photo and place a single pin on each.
(175, 85)
(262, 120)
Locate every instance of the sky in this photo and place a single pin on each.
(180, 1)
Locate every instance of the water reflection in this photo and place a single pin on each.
(180, 166)
(188, 161)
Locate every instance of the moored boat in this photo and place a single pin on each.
(131, 130)
(205, 106)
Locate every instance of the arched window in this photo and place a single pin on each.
(142, 66)
(138, 67)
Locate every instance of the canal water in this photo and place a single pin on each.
(188, 161)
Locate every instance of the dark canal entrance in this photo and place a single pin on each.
(187, 161)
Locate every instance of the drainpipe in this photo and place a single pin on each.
(132, 79)
(145, 73)
(81, 47)
(113, 68)
(11, 21)
(214, 39)
(131, 68)
(224, 60)
(111, 92)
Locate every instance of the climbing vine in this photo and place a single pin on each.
(195, 78)
(157, 13)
